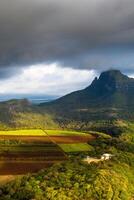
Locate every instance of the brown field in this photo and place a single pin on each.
(55, 138)
(38, 155)
(23, 167)
(23, 161)
(15, 163)
(71, 139)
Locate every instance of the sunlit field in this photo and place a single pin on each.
(33, 149)
(31, 132)
(64, 132)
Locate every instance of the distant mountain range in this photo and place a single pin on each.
(111, 96)
(35, 99)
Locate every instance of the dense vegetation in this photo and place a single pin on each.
(76, 180)
(22, 114)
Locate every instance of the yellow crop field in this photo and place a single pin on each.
(31, 132)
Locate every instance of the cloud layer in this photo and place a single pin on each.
(95, 34)
(46, 80)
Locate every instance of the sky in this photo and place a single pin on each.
(54, 47)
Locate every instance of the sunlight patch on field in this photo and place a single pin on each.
(32, 132)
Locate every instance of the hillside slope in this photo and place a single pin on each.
(22, 114)
(111, 96)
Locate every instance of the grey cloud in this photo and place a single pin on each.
(7, 72)
(68, 32)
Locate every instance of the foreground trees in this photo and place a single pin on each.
(74, 180)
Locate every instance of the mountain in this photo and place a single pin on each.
(111, 96)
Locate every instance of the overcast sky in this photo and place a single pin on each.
(57, 46)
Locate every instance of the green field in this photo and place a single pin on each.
(64, 132)
(75, 147)
(31, 132)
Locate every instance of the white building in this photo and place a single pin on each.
(106, 156)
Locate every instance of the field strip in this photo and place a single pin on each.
(28, 132)
(64, 133)
(30, 161)
(76, 147)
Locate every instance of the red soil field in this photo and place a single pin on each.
(28, 162)
(53, 138)
(56, 155)
(71, 139)
(17, 168)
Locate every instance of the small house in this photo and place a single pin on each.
(106, 156)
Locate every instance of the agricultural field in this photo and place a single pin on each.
(68, 137)
(28, 132)
(23, 151)
(65, 133)
(71, 139)
(79, 147)
(28, 148)
(25, 139)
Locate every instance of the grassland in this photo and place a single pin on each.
(80, 147)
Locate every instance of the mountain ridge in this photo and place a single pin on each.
(107, 97)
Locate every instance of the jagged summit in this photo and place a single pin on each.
(112, 75)
(110, 81)
(115, 74)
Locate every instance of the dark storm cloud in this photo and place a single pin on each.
(94, 34)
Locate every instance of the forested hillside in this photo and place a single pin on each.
(111, 96)
(15, 114)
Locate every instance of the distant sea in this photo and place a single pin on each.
(32, 98)
(41, 100)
